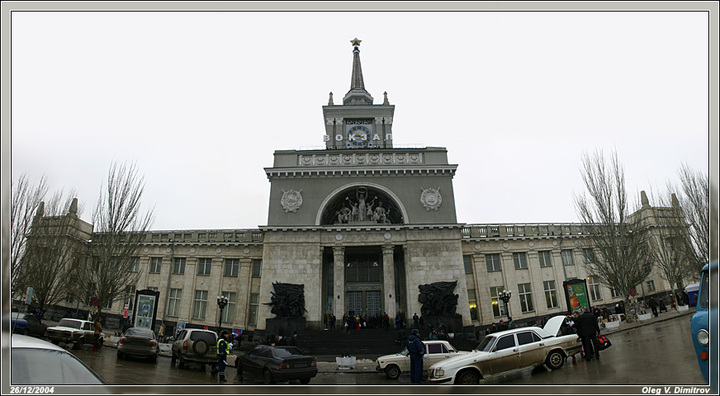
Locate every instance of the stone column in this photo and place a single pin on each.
(339, 281)
(389, 280)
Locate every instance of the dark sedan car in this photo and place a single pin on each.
(279, 363)
(27, 324)
(138, 342)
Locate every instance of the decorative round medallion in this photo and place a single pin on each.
(477, 246)
(531, 244)
(291, 200)
(218, 250)
(168, 250)
(388, 235)
(431, 198)
(338, 237)
(146, 250)
(246, 251)
(505, 245)
(554, 243)
(192, 250)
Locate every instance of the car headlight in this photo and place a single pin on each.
(703, 337)
(439, 372)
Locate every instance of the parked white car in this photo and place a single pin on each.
(75, 331)
(508, 350)
(396, 363)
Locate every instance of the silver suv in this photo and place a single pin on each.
(195, 345)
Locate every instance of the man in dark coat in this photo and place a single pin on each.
(653, 306)
(588, 330)
(417, 349)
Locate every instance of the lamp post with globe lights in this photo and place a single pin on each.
(505, 297)
(222, 302)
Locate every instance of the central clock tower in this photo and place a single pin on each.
(358, 123)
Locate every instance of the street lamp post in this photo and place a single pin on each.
(505, 297)
(222, 301)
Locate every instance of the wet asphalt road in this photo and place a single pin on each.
(657, 354)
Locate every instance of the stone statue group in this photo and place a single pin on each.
(363, 210)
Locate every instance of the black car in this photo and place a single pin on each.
(279, 363)
(138, 342)
(28, 324)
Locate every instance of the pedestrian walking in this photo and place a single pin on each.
(588, 330)
(161, 332)
(97, 330)
(417, 349)
(653, 306)
(223, 350)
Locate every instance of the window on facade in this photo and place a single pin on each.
(550, 294)
(525, 297)
(467, 261)
(174, 302)
(614, 293)
(472, 300)
(257, 268)
(520, 260)
(651, 285)
(200, 304)
(567, 257)
(588, 255)
(204, 266)
(253, 312)
(594, 288)
(179, 265)
(232, 267)
(493, 262)
(498, 307)
(155, 264)
(135, 264)
(228, 315)
(544, 257)
(362, 268)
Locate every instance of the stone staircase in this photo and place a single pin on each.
(363, 343)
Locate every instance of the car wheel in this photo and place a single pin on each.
(392, 371)
(267, 377)
(305, 381)
(468, 377)
(555, 360)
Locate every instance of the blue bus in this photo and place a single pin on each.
(699, 324)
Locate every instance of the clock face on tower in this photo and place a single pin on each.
(358, 135)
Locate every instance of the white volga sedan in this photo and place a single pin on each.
(396, 363)
(508, 350)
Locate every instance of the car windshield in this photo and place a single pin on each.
(139, 332)
(284, 352)
(70, 323)
(58, 368)
(486, 344)
(703, 296)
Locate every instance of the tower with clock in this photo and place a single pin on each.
(358, 123)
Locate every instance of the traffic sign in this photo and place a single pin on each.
(94, 301)
(633, 292)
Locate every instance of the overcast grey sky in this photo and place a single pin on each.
(200, 101)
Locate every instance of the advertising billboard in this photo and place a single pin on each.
(145, 308)
(576, 295)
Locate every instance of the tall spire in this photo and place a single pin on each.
(357, 94)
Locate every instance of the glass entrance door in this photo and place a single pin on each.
(372, 302)
(354, 302)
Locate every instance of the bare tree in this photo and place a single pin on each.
(694, 201)
(622, 262)
(119, 230)
(26, 199)
(53, 248)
